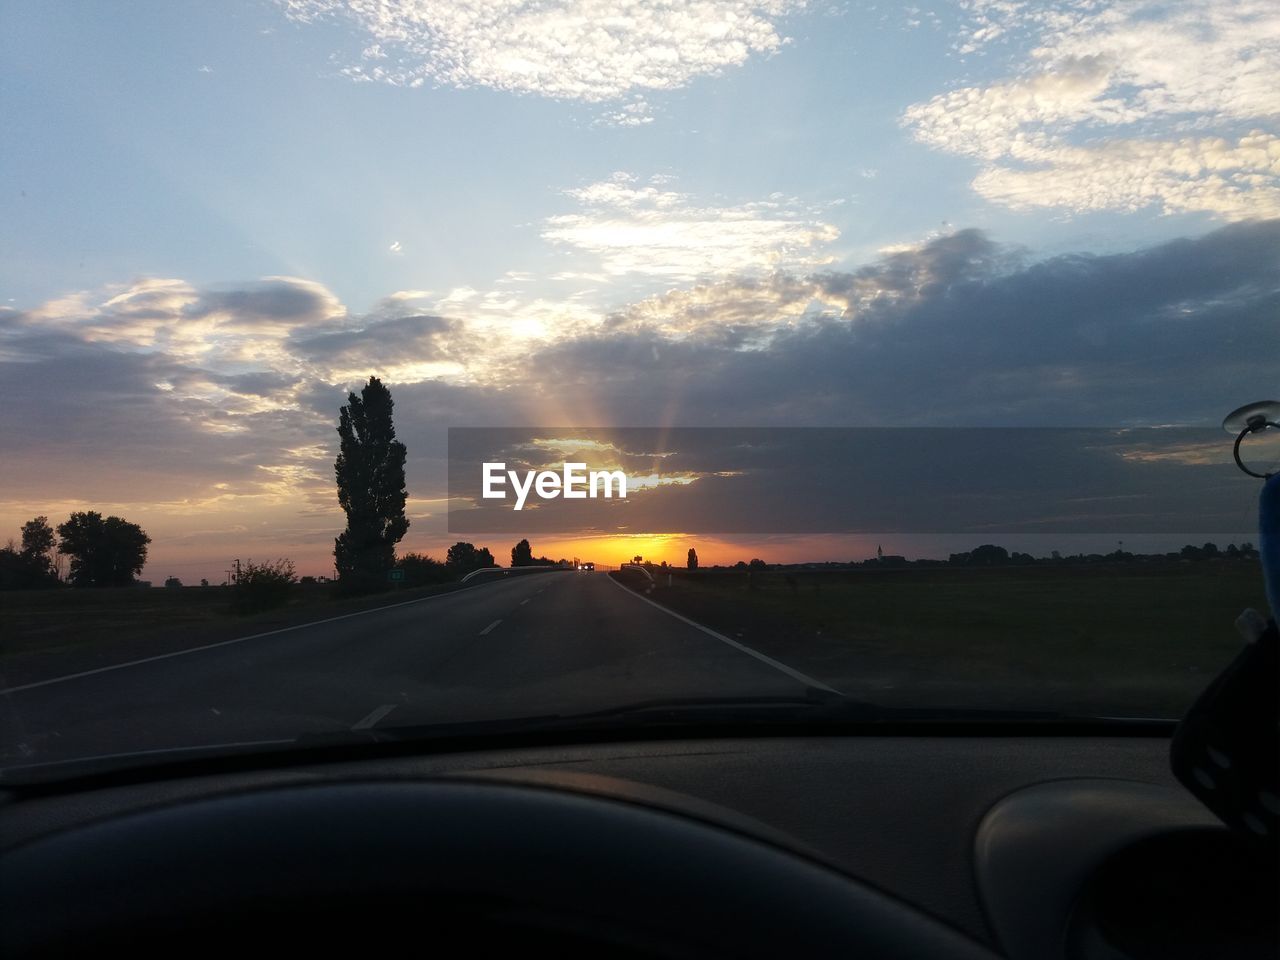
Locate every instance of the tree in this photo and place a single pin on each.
(692, 563)
(32, 566)
(104, 552)
(38, 542)
(522, 554)
(420, 569)
(371, 488)
(757, 564)
(987, 555)
(463, 557)
(19, 572)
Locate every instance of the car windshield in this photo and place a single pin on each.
(411, 368)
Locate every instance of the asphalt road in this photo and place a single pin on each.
(539, 644)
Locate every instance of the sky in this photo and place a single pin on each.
(216, 219)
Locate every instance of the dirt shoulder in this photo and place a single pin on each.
(53, 633)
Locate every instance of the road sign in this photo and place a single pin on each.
(395, 574)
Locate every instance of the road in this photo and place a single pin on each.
(519, 646)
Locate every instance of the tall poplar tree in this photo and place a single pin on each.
(371, 488)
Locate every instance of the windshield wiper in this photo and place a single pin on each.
(817, 709)
(817, 713)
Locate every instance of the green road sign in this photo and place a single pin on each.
(395, 574)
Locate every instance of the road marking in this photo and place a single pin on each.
(776, 664)
(524, 601)
(374, 717)
(489, 627)
(213, 749)
(220, 643)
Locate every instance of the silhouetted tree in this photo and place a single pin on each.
(32, 566)
(757, 564)
(371, 488)
(522, 554)
(18, 571)
(987, 555)
(38, 542)
(463, 557)
(693, 559)
(104, 552)
(420, 569)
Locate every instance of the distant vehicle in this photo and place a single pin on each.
(587, 566)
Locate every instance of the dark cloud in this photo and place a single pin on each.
(278, 299)
(1177, 333)
(381, 342)
(958, 332)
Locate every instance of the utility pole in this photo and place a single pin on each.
(237, 563)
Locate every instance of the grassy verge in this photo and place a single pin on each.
(49, 633)
(1132, 639)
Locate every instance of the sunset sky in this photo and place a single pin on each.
(216, 219)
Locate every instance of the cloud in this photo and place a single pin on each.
(403, 348)
(637, 113)
(1121, 106)
(647, 229)
(585, 50)
(957, 330)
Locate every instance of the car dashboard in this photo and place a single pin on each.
(1018, 844)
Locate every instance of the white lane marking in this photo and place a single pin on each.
(220, 643)
(777, 665)
(374, 717)
(159, 751)
(489, 627)
(524, 601)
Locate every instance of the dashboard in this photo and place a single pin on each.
(1015, 846)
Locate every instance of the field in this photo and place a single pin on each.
(53, 632)
(1139, 638)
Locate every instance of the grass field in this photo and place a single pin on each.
(1128, 638)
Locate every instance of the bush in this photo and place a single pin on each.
(25, 571)
(420, 570)
(262, 586)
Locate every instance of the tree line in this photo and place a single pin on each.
(101, 552)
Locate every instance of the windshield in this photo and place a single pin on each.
(404, 366)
